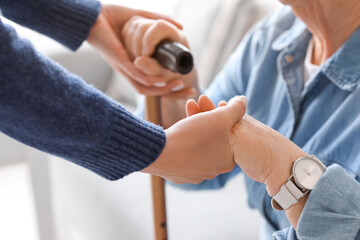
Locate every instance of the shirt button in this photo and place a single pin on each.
(289, 58)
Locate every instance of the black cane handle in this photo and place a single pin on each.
(174, 56)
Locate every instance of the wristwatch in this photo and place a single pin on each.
(306, 172)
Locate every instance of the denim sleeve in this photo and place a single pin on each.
(332, 210)
(66, 21)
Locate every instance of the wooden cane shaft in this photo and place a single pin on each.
(153, 115)
(153, 109)
(159, 206)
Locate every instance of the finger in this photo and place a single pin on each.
(191, 108)
(158, 32)
(127, 32)
(156, 91)
(132, 33)
(129, 69)
(205, 104)
(222, 103)
(151, 67)
(137, 38)
(237, 108)
(160, 16)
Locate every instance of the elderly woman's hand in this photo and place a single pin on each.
(141, 36)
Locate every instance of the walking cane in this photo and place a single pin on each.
(157, 183)
(176, 58)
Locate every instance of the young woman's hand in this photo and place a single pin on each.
(199, 147)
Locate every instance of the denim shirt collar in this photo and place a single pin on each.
(290, 36)
(343, 68)
(337, 68)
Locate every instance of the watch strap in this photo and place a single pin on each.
(288, 195)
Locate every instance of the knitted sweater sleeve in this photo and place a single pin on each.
(66, 21)
(44, 106)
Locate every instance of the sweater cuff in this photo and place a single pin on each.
(69, 22)
(131, 145)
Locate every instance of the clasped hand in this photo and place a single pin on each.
(261, 152)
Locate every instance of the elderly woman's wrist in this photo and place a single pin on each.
(282, 169)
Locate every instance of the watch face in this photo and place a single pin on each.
(307, 172)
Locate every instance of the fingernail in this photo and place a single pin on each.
(160, 84)
(244, 100)
(178, 88)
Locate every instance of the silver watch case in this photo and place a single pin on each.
(294, 188)
(297, 164)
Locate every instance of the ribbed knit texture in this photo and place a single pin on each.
(66, 21)
(44, 106)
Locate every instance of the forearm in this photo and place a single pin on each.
(266, 156)
(66, 21)
(279, 175)
(44, 106)
(277, 178)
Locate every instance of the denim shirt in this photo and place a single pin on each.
(323, 119)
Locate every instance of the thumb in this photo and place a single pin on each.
(237, 108)
(191, 108)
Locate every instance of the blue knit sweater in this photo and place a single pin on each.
(46, 107)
